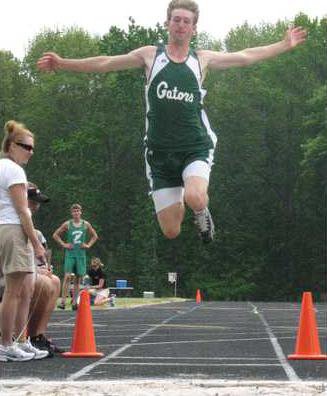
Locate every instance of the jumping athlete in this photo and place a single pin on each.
(179, 140)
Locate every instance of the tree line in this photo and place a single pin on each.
(268, 185)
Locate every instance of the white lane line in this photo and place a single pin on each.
(138, 338)
(193, 358)
(201, 341)
(164, 335)
(193, 364)
(90, 367)
(291, 374)
(225, 308)
(61, 322)
(295, 327)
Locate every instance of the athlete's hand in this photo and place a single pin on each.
(295, 36)
(50, 61)
(85, 246)
(68, 246)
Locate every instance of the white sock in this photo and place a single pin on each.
(199, 212)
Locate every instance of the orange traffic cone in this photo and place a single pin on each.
(307, 342)
(83, 344)
(198, 296)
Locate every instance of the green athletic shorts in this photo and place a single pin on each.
(165, 169)
(76, 265)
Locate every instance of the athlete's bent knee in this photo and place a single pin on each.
(56, 284)
(172, 233)
(196, 200)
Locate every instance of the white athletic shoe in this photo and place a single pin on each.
(3, 358)
(14, 353)
(29, 348)
(205, 225)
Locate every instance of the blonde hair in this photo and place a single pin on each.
(97, 261)
(76, 206)
(189, 5)
(14, 132)
(32, 185)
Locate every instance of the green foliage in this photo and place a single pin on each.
(268, 186)
(13, 85)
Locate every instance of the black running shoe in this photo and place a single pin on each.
(54, 347)
(41, 342)
(74, 307)
(204, 223)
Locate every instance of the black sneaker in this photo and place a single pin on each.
(41, 342)
(204, 223)
(74, 307)
(61, 306)
(54, 347)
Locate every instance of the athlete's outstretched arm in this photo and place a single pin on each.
(50, 61)
(219, 60)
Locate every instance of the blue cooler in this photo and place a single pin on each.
(121, 283)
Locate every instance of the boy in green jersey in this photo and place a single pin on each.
(179, 140)
(77, 231)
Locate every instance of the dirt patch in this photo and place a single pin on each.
(29, 387)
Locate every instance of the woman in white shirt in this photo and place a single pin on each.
(17, 241)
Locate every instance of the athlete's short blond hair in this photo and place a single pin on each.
(76, 206)
(189, 5)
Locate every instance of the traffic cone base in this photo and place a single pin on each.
(82, 354)
(83, 343)
(307, 340)
(306, 357)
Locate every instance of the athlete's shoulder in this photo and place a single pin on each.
(144, 52)
(144, 56)
(64, 226)
(204, 57)
(200, 53)
(87, 224)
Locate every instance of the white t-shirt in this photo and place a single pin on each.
(10, 174)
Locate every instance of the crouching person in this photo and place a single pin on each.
(99, 294)
(47, 286)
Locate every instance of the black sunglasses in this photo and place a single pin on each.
(26, 147)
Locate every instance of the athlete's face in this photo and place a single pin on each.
(181, 26)
(76, 214)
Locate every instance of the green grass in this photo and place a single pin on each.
(129, 302)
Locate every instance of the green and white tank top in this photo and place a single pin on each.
(76, 235)
(175, 118)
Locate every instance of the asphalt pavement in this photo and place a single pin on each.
(243, 341)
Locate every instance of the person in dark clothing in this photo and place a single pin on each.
(96, 278)
(96, 274)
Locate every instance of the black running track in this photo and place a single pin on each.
(213, 340)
